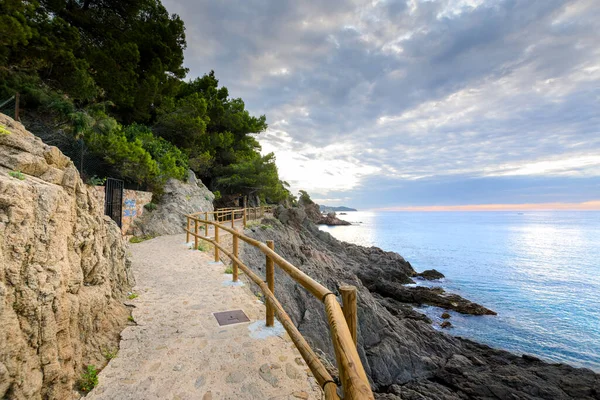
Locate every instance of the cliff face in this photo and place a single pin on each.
(63, 271)
(178, 200)
(404, 356)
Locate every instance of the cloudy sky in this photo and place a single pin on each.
(415, 103)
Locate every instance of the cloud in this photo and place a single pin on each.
(407, 92)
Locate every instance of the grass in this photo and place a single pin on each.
(140, 239)
(264, 227)
(3, 130)
(202, 246)
(17, 174)
(132, 296)
(109, 354)
(229, 270)
(130, 318)
(89, 379)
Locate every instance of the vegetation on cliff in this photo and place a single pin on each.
(111, 74)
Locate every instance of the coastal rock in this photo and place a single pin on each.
(178, 200)
(431, 275)
(331, 219)
(63, 271)
(445, 315)
(446, 324)
(403, 355)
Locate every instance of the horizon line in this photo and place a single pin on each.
(593, 205)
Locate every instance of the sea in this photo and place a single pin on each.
(540, 271)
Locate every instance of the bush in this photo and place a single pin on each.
(17, 174)
(150, 206)
(89, 379)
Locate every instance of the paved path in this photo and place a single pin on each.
(177, 350)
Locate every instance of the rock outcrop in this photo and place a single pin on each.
(178, 200)
(63, 271)
(404, 356)
(331, 219)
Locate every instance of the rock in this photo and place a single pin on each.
(331, 219)
(403, 355)
(200, 382)
(292, 372)
(178, 200)
(235, 377)
(431, 274)
(64, 273)
(445, 315)
(446, 324)
(300, 395)
(207, 396)
(266, 374)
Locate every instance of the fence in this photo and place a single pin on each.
(342, 322)
(10, 107)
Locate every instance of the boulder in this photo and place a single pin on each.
(431, 275)
(179, 199)
(63, 271)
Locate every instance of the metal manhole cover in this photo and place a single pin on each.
(231, 317)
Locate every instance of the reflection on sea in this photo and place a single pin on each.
(539, 270)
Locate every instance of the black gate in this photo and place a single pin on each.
(113, 200)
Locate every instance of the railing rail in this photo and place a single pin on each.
(342, 323)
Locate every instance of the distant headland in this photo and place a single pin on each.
(328, 209)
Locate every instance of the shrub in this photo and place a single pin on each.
(132, 296)
(96, 181)
(229, 270)
(89, 379)
(139, 239)
(17, 174)
(150, 206)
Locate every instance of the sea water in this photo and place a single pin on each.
(540, 271)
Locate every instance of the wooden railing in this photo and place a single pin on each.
(342, 322)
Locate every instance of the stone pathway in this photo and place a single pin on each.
(177, 350)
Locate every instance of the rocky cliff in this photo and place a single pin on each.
(178, 200)
(63, 271)
(404, 356)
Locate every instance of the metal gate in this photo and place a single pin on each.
(113, 200)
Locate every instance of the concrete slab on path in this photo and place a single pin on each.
(177, 350)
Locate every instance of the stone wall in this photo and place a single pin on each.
(133, 204)
(63, 271)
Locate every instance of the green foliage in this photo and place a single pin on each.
(111, 73)
(140, 239)
(304, 198)
(229, 270)
(264, 227)
(17, 174)
(150, 206)
(202, 246)
(3, 130)
(254, 174)
(130, 319)
(96, 181)
(217, 195)
(109, 354)
(132, 296)
(89, 379)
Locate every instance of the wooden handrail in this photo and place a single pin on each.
(353, 377)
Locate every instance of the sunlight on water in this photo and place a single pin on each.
(539, 270)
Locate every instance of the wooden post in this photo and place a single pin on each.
(271, 283)
(233, 218)
(17, 108)
(349, 308)
(235, 253)
(262, 211)
(217, 241)
(205, 223)
(187, 232)
(196, 234)
(244, 218)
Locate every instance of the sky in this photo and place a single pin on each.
(399, 104)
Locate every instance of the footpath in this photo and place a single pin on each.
(176, 349)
